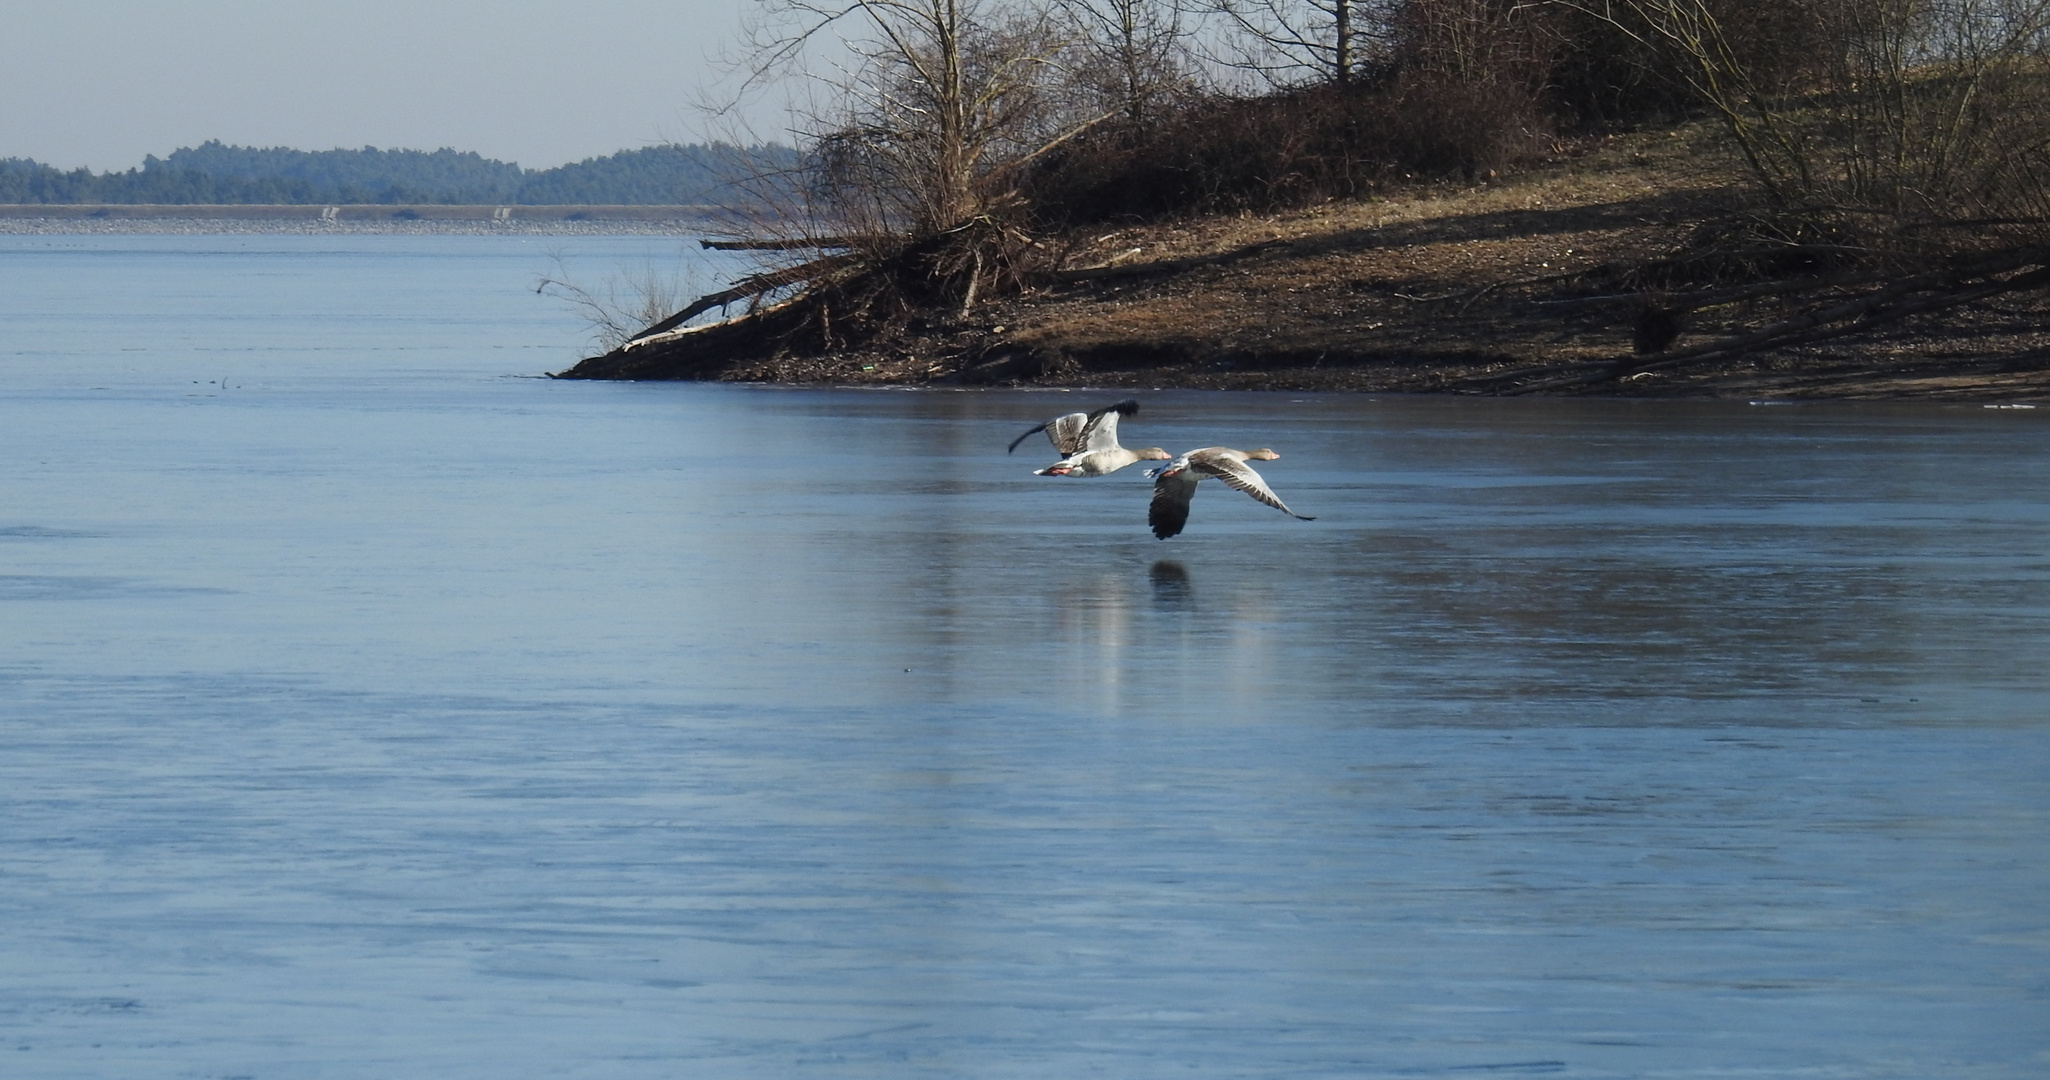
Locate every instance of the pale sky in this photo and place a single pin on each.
(101, 83)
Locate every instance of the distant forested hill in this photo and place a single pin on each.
(218, 173)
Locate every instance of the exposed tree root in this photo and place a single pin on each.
(848, 300)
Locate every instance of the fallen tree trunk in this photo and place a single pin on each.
(799, 244)
(745, 289)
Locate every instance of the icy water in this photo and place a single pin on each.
(369, 708)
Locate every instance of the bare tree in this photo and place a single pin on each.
(908, 186)
(1288, 41)
(1132, 53)
(941, 99)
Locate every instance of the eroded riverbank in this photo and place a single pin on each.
(1489, 289)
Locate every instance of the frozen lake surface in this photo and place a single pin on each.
(371, 709)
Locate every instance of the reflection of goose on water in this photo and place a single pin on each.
(1088, 443)
(1174, 484)
(1171, 586)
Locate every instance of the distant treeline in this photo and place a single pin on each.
(218, 173)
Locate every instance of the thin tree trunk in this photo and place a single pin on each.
(1341, 59)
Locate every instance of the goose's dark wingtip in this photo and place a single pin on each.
(1015, 443)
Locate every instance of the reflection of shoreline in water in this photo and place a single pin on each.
(1094, 640)
(1171, 586)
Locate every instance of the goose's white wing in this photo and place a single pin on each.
(1062, 431)
(1101, 432)
(1079, 433)
(1069, 433)
(1241, 476)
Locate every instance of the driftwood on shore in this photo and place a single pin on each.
(821, 243)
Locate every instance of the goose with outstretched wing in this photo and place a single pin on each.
(1088, 443)
(1174, 484)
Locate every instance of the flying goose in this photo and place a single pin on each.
(1174, 484)
(1088, 443)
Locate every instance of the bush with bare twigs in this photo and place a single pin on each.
(1903, 120)
(1902, 149)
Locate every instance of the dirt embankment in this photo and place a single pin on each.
(1498, 288)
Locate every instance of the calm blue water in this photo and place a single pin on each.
(370, 708)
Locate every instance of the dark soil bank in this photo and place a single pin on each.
(1531, 286)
